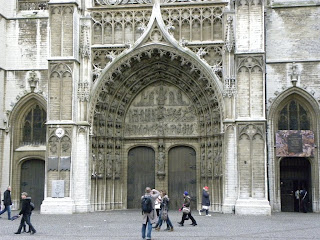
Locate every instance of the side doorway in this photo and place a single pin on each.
(295, 174)
(182, 176)
(141, 174)
(32, 180)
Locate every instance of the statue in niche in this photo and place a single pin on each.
(173, 129)
(218, 165)
(101, 130)
(161, 95)
(151, 99)
(94, 162)
(209, 166)
(109, 164)
(203, 162)
(117, 165)
(160, 113)
(141, 115)
(143, 99)
(100, 167)
(53, 146)
(179, 98)
(178, 129)
(161, 160)
(147, 115)
(135, 116)
(171, 99)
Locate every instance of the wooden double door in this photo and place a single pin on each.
(181, 175)
(32, 180)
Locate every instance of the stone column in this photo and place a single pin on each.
(230, 169)
(63, 134)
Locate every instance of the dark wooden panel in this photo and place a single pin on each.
(141, 174)
(32, 180)
(182, 176)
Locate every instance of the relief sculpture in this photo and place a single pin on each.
(161, 109)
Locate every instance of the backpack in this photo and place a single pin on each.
(146, 204)
(164, 214)
(31, 206)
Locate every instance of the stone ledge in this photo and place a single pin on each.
(57, 206)
(252, 207)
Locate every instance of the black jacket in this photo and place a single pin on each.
(7, 198)
(26, 207)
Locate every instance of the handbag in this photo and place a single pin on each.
(186, 210)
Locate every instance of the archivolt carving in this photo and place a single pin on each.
(158, 96)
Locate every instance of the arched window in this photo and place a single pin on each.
(34, 129)
(293, 117)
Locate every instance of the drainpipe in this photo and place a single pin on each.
(265, 89)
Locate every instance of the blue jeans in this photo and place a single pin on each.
(143, 230)
(8, 209)
(169, 224)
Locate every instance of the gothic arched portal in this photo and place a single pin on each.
(159, 99)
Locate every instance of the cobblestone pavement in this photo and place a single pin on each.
(126, 224)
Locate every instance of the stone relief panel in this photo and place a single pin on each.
(251, 158)
(30, 5)
(194, 24)
(62, 26)
(59, 145)
(250, 86)
(249, 33)
(161, 109)
(60, 89)
(118, 26)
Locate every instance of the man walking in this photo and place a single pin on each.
(25, 212)
(148, 211)
(7, 202)
(205, 201)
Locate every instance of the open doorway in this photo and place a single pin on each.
(295, 174)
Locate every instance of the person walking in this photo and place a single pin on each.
(148, 211)
(25, 212)
(164, 216)
(186, 210)
(205, 201)
(7, 202)
(304, 200)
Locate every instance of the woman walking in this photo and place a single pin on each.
(164, 216)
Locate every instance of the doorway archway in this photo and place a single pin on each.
(295, 174)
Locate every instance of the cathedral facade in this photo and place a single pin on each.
(102, 98)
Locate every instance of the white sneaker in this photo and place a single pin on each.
(208, 215)
(199, 212)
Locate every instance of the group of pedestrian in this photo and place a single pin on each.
(155, 207)
(25, 212)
